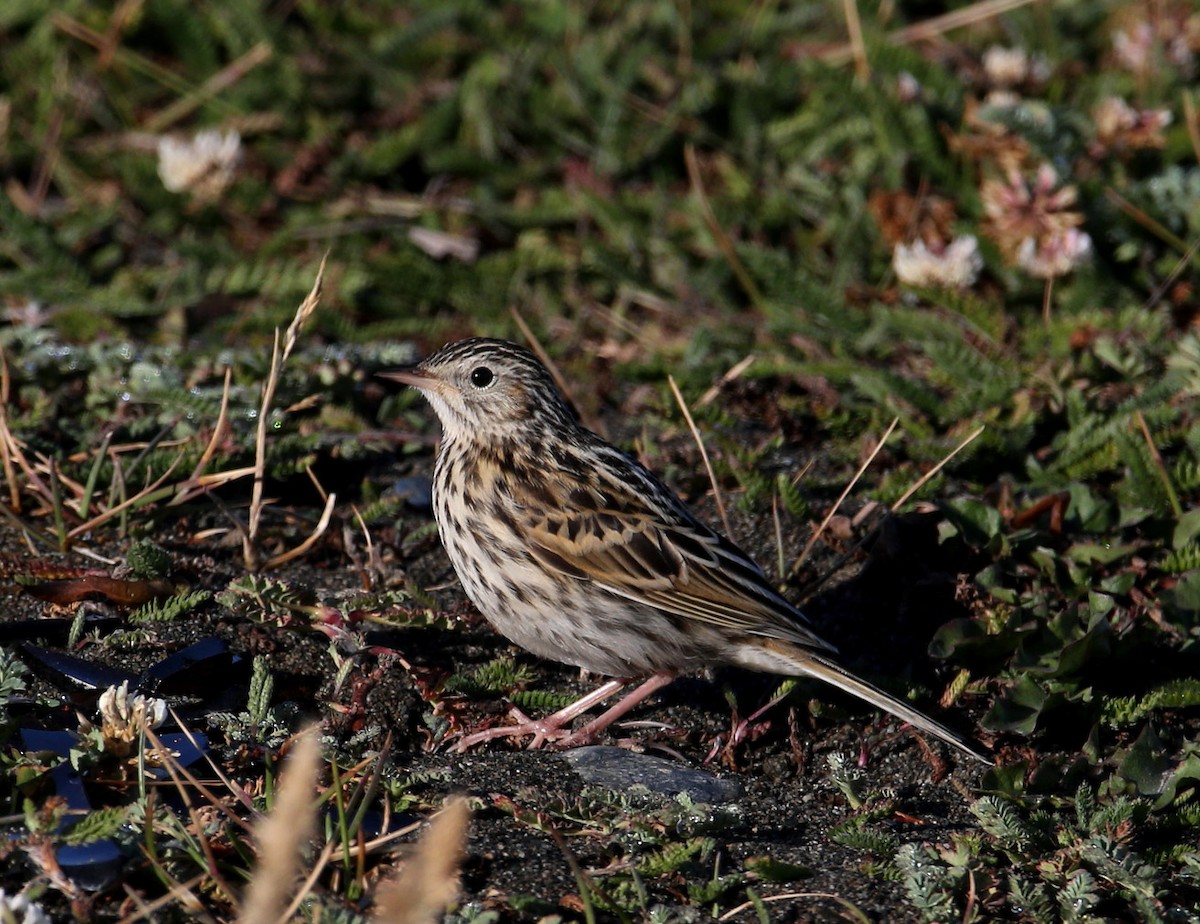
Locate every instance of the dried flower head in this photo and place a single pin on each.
(1120, 127)
(203, 165)
(1134, 47)
(1024, 214)
(903, 217)
(17, 909)
(1164, 33)
(1055, 254)
(1006, 68)
(123, 717)
(985, 139)
(945, 266)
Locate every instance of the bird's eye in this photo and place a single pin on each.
(482, 377)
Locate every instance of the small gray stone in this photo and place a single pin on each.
(617, 769)
(415, 490)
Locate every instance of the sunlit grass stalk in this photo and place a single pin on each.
(845, 493)
(279, 355)
(56, 506)
(712, 477)
(1159, 466)
(89, 487)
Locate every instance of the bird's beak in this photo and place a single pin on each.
(413, 377)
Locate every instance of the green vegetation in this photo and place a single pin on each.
(985, 231)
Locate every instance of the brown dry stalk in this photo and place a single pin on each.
(323, 524)
(212, 87)
(845, 493)
(279, 355)
(1159, 465)
(1191, 123)
(540, 352)
(858, 47)
(141, 497)
(6, 437)
(687, 415)
(283, 834)
(429, 881)
(732, 375)
(924, 479)
(188, 489)
(724, 243)
(932, 28)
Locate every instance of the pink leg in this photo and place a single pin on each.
(550, 727)
(588, 733)
(743, 726)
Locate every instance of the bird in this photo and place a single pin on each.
(578, 553)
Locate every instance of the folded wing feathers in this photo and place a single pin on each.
(682, 568)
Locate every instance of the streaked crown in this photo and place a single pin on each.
(482, 388)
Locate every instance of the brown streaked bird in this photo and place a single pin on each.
(576, 552)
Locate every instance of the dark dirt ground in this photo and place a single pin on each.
(880, 611)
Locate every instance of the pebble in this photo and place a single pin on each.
(618, 769)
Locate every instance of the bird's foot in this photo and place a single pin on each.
(540, 731)
(554, 729)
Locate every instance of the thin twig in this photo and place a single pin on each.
(1047, 295)
(141, 497)
(788, 896)
(219, 432)
(284, 557)
(1191, 123)
(1158, 464)
(555, 373)
(780, 563)
(687, 415)
(6, 437)
(850, 487)
(279, 355)
(862, 67)
(812, 587)
(213, 87)
(1142, 217)
(176, 771)
(429, 881)
(176, 893)
(734, 373)
(932, 28)
(1176, 270)
(924, 479)
(724, 243)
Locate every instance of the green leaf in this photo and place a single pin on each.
(1019, 709)
(768, 869)
(1183, 600)
(1146, 763)
(978, 523)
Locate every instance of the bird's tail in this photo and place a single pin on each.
(819, 665)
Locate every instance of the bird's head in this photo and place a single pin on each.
(483, 388)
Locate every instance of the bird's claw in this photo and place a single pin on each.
(542, 731)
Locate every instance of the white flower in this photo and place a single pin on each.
(1005, 66)
(908, 88)
(1008, 67)
(203, 165)
(123, 717)
(1056, 254)
(955, 266)
(17, 909)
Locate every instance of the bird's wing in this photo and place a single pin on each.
(658, 554)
